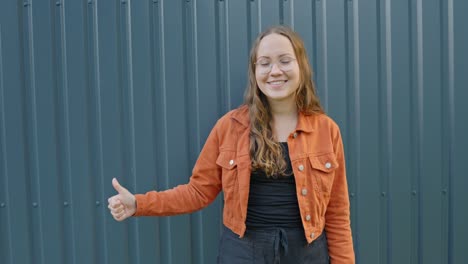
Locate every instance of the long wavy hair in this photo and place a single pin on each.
(265, 151)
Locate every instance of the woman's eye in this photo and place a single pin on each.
(285, 61)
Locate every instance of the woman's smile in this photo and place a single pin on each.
(277, 83)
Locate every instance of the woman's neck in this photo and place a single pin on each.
(284, 119)
(283, 109)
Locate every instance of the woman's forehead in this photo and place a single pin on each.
(275, 45)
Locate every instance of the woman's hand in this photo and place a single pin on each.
(122, 205)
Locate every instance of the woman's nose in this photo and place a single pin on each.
(275, 69)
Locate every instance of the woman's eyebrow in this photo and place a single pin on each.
(279, 56)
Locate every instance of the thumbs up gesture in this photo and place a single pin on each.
(123, 204)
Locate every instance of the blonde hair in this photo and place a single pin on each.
(265, 152)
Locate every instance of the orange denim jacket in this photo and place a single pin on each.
(317, 157)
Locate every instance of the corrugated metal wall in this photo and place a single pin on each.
(96, 89)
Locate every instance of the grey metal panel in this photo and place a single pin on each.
(369, 228)
(109, 111)
(143, 98)
(432, 159)
(93, 64)
(205, 103)
(5, 249)
(269, 12)
(416, 97)
(236, 45)
(17, 206)
(91, 90)
(457, 80)
(402, 159)
(175, 125)
(42, 134)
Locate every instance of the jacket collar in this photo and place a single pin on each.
(304, 121)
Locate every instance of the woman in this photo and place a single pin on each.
(280, 163)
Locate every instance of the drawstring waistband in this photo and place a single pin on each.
(280, 242)
(277, 245)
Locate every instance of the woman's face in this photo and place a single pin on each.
(276, 52)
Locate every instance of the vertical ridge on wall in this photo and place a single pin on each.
(64, 149)
(269, 13)
(355, 118)
(446, 134)
(143, 105)
(77, 122)
(460, 140)
(193, 97)
(319, 47)
(96, 134)
(450, 69)
(220, 38)
(190, 99)
(417, 117)
(250, 35)
(50, 203)
(127, 122)
(315, 42)
(111, 94)
(238, 51)
(385, 126)
(322, 60)
(401, 175)
(32, 177)
(160, 122)
(134, 234)
(122, 116)
(370, 145)
(288, 13)
(227, 58)
(207, 79)
(5, 221)
(18, 205)
(176, 125)
(419, 121)
(432, 125)
(389, 127)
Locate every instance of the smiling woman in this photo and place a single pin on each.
(279, 161)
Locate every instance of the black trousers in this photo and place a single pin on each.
(272, 246)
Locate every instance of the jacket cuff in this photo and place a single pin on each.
(141, 204)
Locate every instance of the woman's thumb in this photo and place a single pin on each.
(117, 186)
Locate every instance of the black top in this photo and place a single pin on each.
(273, 200)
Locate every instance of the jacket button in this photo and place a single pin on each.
(328, 165)
(231, 162)
(312, 235)
(304, 191)
(307, 217)
(295, 135)
(301, 167)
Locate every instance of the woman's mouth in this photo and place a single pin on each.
(277, 84)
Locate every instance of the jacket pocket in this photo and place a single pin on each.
(323, 168)
(227, 161)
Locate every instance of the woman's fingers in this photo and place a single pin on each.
(119, 212)
(119, 216)
(117, 209)
(115, 203)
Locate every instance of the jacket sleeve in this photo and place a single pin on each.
(202, 189)
(337, 217)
